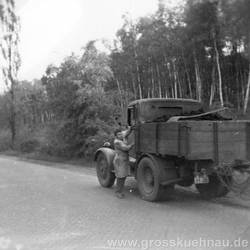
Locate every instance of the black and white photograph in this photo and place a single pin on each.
(124, 124)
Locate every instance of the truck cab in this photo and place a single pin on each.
(155, 110)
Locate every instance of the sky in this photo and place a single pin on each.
(53, 29)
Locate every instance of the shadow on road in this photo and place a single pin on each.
(189, 196)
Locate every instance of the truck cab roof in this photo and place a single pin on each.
(161, 109)
(169, 101)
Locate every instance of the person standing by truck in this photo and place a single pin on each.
(121, 159)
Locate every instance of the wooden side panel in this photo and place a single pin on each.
(201, 140)
(168, 139)
(147, 137)
(224, 145)
(232, 141)
(222, 141)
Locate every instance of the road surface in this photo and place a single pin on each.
(56, 206)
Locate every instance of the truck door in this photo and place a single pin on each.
(132, 122)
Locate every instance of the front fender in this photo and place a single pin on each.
(109, 154)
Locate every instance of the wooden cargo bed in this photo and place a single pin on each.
(221, 141)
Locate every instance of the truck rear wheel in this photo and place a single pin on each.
(105, 177)
(148, 178)
(215, 188)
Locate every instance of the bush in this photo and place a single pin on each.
(29, 145)
(92, 143)
(51, 142)
(5, 140)
(54, 139)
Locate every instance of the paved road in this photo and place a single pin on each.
(53, 207)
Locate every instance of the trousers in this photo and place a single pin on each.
(120, 184)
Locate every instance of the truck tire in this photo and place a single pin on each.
(213, 189)
(148, 179)
(104, 174)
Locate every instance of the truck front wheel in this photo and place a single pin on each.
(104, 174)
(215, 188)
(148, 178)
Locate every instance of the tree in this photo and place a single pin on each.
(31, 104)
(236, 30)
(9, 51)
(203, 33)
(79, 101)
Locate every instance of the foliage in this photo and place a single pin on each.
(199, 50)
(10, 63)
(77, 100)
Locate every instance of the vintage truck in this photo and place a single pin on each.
(177, 142)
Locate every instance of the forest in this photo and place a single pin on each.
(198, 50)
